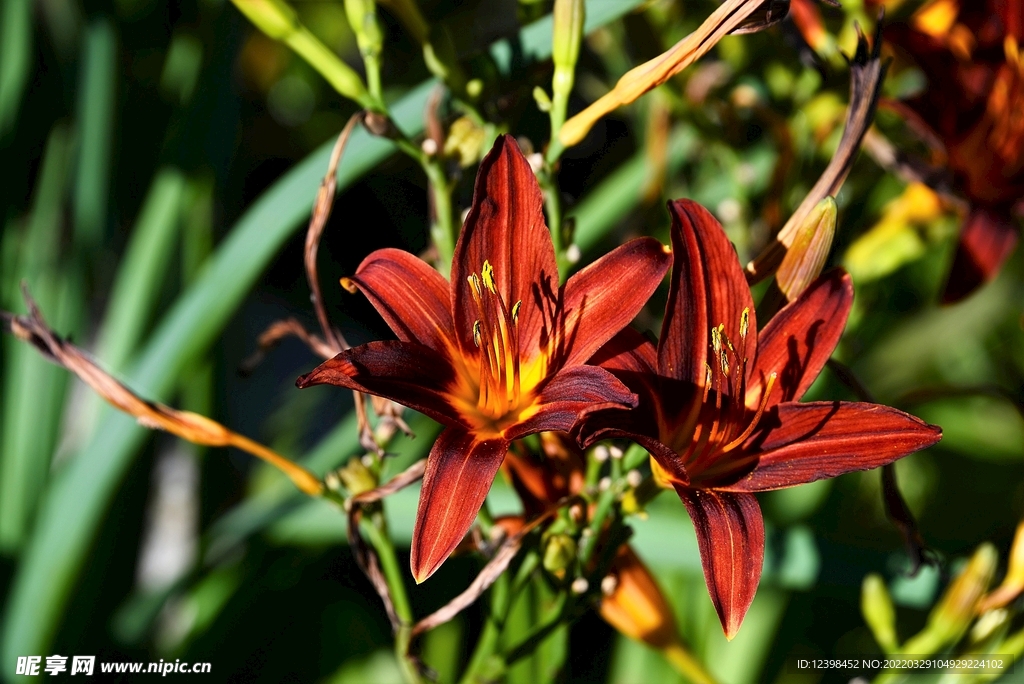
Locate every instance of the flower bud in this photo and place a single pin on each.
(879, 612)
(565, 46)
(466, 141)
(356, 477)
(559, 554)
(362, 17)
(806, 255)
(1013, 583)
(273, 17)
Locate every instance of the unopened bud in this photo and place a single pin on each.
(601, 453)
(634, 478)
(572, 253)
(608, 584)
(540, 96)
(362, 17)
(879, 613)
(806, 255)
(580, 585)
(429, 147)
(1013, 583)
(568, 31)
(356, 477)
(604, 484)
(615, 452)
(273, 17)
(465, 140)
(559, 553)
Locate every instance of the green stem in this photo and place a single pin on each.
(501, 599)
(443, 229)
(374, 531)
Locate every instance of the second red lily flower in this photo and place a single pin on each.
(719, 408)
(499, 353)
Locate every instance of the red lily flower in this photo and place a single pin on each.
(971, 55)
(719, 408)
(499, 353)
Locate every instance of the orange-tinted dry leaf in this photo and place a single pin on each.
(732, 15)
(185, 424)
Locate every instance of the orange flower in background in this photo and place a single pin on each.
(719, 403)
(973, 106)
(499, 353)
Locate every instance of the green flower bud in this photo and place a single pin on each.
(879, 612)
(559, 554)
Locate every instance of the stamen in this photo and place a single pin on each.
(474, 285)
(757, 416)
(476, 333)
(487, 272)
(515, 311)
(744, 322)
(725, 364)
(716, 340)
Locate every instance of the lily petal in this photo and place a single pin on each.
(799, 339)
(986, 241)
(627, 351)
(824, 439)
(411, 296)
(604, 297)
(405, 372)
(730, 535)
(708, 289)
(460, 470)
(571, 394)
(505, 227)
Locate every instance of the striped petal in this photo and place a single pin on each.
(411, 296)
(986, 241)
(730, 535)
(799, 339)
(824, 439)
(708, 289)
(411, 374)
(460, 470)
(505, 227)
(604, 297)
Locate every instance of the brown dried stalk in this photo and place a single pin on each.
(185, 424)
(364, 555)
(866, 74)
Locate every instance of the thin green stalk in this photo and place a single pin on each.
(501, 599)
(374, 531)
(443, 229)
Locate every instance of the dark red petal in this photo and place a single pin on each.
(798, 341)
(411, 374)
(506, 227)
(460, 470)
(571, 394)
(730, 534)
(823, 439)
(412, 297)
(708, 288)
(986, 241)
(604, 297)
(627, 351)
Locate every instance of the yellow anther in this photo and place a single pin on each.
(707, 374)
(476, 333)
(744, 322)
(487, 272)
(474, 284)
(716, 340)
(348, 284)
(725, 364)
(515, 311)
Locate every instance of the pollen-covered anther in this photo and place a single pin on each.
(744, 322)
(496, 335)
